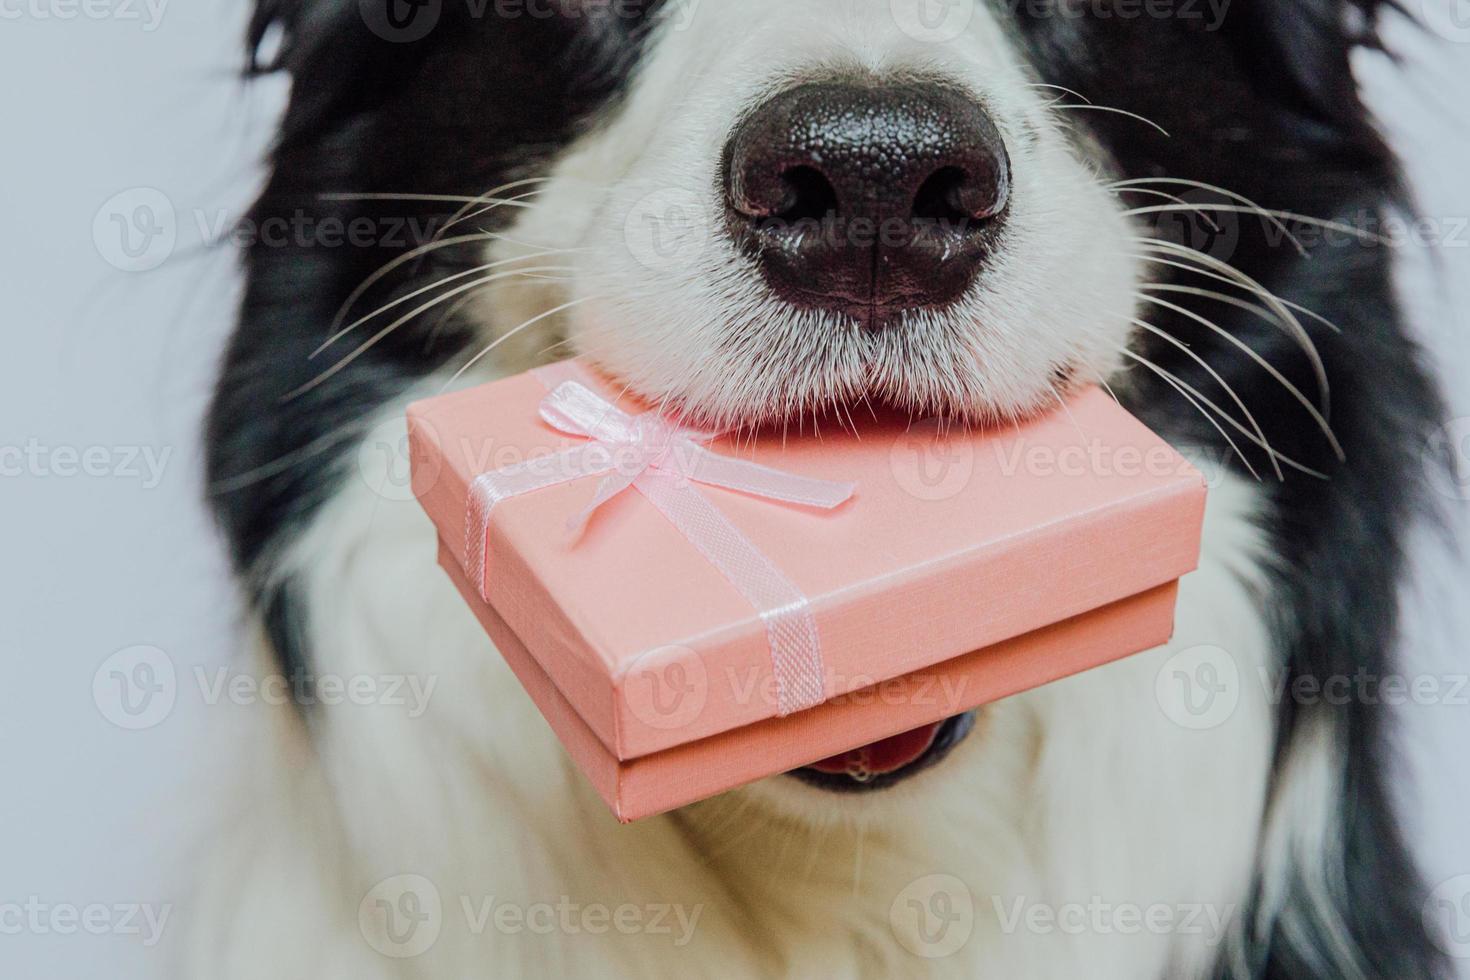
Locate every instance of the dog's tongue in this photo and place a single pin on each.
(880, 758)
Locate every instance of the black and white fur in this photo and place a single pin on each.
(1278, 818)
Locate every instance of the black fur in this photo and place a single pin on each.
(479, 103)
(1265, 106)
(1269, 111)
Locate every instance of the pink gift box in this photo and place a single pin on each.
(966, 567)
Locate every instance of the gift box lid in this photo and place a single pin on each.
(953, 540)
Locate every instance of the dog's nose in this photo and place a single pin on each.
(868, 199)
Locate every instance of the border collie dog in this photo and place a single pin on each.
(763, 213)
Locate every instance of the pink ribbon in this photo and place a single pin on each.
(663, 461)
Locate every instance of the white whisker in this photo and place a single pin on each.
(1272, 318)
(500, 340)
(1183, 389)
(388, 267)
(1060, 88)
(464, 214)
(445, 198)
(419, 292)
(381, 334)
(1150, 192)
(1228, 418)
(392, 264)
(1106, 108)
(1199, 185)
(1231, 208)
(1267, 365)
(1260, 432)
(1286, 216)
(1288, 319)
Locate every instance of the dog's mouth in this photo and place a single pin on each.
(890, 761)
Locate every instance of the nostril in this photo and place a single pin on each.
(954, 196)
(809, 195)
(939, 198)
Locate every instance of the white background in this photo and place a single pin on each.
(90, 812)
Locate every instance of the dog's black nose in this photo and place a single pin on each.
(867, 199)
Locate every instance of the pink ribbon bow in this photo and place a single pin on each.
(663, 460)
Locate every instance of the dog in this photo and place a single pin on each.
(775, 213)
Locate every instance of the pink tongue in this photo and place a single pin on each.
(880, 758)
